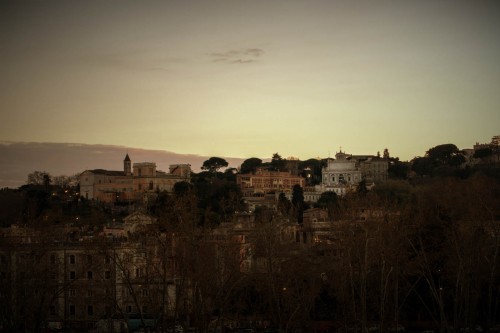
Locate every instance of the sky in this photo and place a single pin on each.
(240, 78)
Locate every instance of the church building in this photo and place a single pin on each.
(341, 174)
(132, 184)
(345, 172)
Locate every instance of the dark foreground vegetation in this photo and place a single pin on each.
(414, 254)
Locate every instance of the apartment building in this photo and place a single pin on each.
(266, 181)
(73, 280)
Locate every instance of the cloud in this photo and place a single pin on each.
(18, 159)
(243, 56)
(254, 52)
(241, 61)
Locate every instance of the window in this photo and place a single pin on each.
(139, 187)
(72, 292)
(145, 292)
(72, 275)
(107, 310)
(52, 259)
(151, 186)
(90, 310)
(72, 310)
(90, 293)
(89, 259)
(129, 308)
(89, 275)
(53, 310)
(144, 309)
(72, 259)
(107, 275)
(107, 260)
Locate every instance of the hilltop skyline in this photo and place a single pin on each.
(18, 159)
(251, 78)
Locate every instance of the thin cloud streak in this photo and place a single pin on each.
(243, 56)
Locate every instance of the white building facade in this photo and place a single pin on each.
(341, 174)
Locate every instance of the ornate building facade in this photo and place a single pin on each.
(341, 174)
(345, 172)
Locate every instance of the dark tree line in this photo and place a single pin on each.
(423, 254)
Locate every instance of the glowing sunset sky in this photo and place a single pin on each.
(250, 78)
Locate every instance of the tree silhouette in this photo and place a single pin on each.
(250, 165)
(213, 164)
(298, 203)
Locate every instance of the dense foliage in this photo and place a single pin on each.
(423, 253)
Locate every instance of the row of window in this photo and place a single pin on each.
(341, 178)
(90, 275)
(90, 292)
(72, 259)
(72, 310)
(90, 309)
(107, 274)
(276, 181)
(151, 186)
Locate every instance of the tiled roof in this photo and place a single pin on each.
(107, 172)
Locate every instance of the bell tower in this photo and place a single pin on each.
(127, 166)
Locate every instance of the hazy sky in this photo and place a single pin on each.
(250, 78)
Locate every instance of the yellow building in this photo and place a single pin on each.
(134, 183)
(265, 181)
